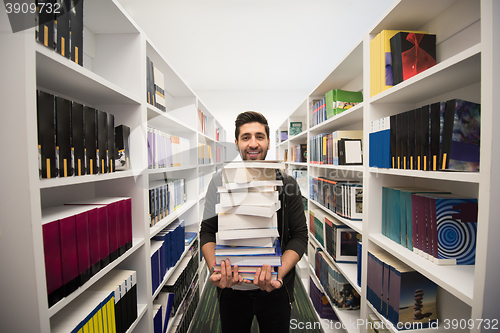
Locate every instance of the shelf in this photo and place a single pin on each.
(301, 135)
(171, 217)
(179, 315)
(461, 70)
(349, 318)
(355, 225)
(349, 270)
(62, 76)
(354, 168)
(141, 310)
(458, 280)
(177, 268)
(167, 123)
(468, 177)
(352, 116)
(171, 169)
(206, 137)
(298, 163)
(387, 324)
(136, 243)
(206, 165)
(74, 180)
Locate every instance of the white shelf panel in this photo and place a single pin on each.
(171, 217)
(349, 117)
(64, 181)
(62, 76)
(302, 135)
(391, 328)
(202, 195)
(457, 280)
(350, 67)
(206, 165)
(461, 70)
(136, 243)
(346, 317)
(208, 138)
(355, 225)
(468, 177)
(171, 169)
(166, 123)
(141, 310)
(355, 168)
(178, 268)
(349, 270)
(297, 163)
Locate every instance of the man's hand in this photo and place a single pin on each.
(262, 279)
(226, 278)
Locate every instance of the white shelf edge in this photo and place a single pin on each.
(354, 225)
(346, 317)
(354, 168)
(462, 283)
(206, 165)
(136, 243)
(209, 138)
(84, 72)
(76, 180)
(171, 169)
(348, 270)
(298, 136)
(171, 217)
(469, 177)
(297, 163)
(347, 113)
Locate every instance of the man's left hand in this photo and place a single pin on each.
(262, 279)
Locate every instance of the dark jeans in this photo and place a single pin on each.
(237, 309)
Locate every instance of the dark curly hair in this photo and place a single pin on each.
(249, 117)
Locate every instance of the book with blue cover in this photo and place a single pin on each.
(273, 259)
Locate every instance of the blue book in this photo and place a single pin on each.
(188, 237)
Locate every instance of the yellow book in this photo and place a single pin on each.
(111, 316)
(99, 321)
(105, 318)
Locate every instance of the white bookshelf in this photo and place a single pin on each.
(466, 69)
(112, 79)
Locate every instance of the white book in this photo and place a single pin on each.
(222, 189)
(249, 233)
(248, 198)
(245, 175)
(243, 250)
(234, 186)
(265, 164)
(253, 210)
(262, 241)
(237, 222)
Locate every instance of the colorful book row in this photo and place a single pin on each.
(109, 305)
(337, 148)
(202, 122)
(402, 295)
(162, 311)
(165, 196)
(204, 153)
(75, 139)
(166, 150)
(437, 225)
(336, 286)
(335, 102)
(320, 302)
(342, 197)
(298, 153)
(81, 238)
(440, 136)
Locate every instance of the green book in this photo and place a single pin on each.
(344, 100)
(295, 128)
(330, 103)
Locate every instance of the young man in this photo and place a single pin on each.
(240, 300)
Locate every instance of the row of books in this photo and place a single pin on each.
(281, 136)
(295, 128)
(439, 136)
(337, 148)
(162, 310)
(218, 154)
(298, 153)
(204, 153)
(342, 197)
(439, 226)
(181, 284)
(75, 139)
(397, 55)
(59, 26)
(80, 239)
(188, 308)
(202, 121)
(339, 240)
(166, 150)
(336, 286)
(155, 86)
(165, 196)
(320, 301)
(109, 305)
(300, 177)
(335, 102)
(402, 295)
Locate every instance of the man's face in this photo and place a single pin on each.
(252, 142)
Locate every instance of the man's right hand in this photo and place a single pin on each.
(225, 278)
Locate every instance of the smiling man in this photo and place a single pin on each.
(240, 300)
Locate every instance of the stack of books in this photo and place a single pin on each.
(247, 217)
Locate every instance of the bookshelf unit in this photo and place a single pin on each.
(466, 49)
(112, 79)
